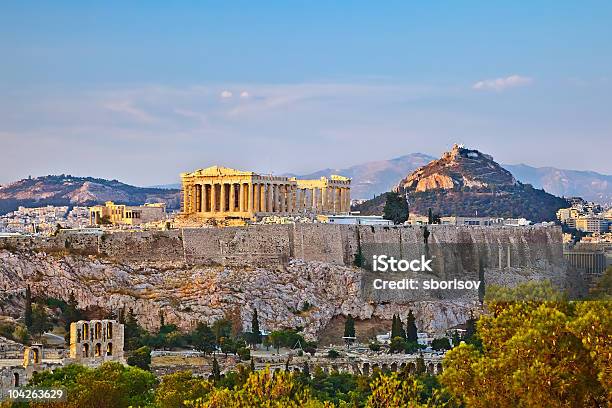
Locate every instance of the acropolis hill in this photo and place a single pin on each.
(202, 274)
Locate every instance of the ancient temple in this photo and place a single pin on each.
(221, 192)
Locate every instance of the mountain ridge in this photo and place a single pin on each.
(466, 182)
(70, 190)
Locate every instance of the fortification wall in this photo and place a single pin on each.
(537, 247)
(151, 246)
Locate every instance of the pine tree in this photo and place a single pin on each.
(28, 308)
(396, 208)
(255, 331)
(252, 365)
(349, 326)
(411, 329)
(216, 371)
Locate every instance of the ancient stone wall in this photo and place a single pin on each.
(539, 247)
(152, 246)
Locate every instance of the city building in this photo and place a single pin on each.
(220, 193)
(120, 214)
(43, 220)
(590, 223)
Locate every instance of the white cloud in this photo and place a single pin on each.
(500, 84)
(244, 94)
(226, 94)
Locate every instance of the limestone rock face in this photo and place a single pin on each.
(457, 168)
(300, 293)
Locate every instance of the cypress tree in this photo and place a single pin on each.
(394, 332)
(255, 332)
(28, 308)
(411, 329)
(399, 328)
(216, 371)
(252, 365)
(349, 326)
(420, 364)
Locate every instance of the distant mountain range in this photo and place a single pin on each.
(368, 180)
(77, 191)
(373, 178)
(466, 182)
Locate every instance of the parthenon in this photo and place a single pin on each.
(221, 192)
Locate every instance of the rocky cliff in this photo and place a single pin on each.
(458, 168)
(293, 275)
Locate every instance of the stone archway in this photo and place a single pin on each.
(439, 368)
(430, 368)
(366, 369)
(85, 350)
(109, 349)
(394, 366)
(16, 379)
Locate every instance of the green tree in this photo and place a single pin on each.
(203, 338)
(112, 385)
(244, 353)
(557, 354)
(255, 331)
(441, 344)
(420, 364)
(222, 328)
(411, 329)
(349, 326)
(176, 388)
(71, 313)
(396, 208)
(390, 391)
(28, 308)
(140, 358)
(278, 339)
(40, 320)
(397, 327)
(216, 370)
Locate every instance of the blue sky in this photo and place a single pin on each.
(143, 91)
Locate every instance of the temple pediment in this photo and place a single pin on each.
(219, 171)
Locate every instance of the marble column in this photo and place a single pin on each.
(261, 190)
(282, 195)
(232, 198)
(269, 195)
(213, 198)
(185, 197)
(251, 198)
(203, 199)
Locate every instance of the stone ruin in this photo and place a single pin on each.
(91, 344)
